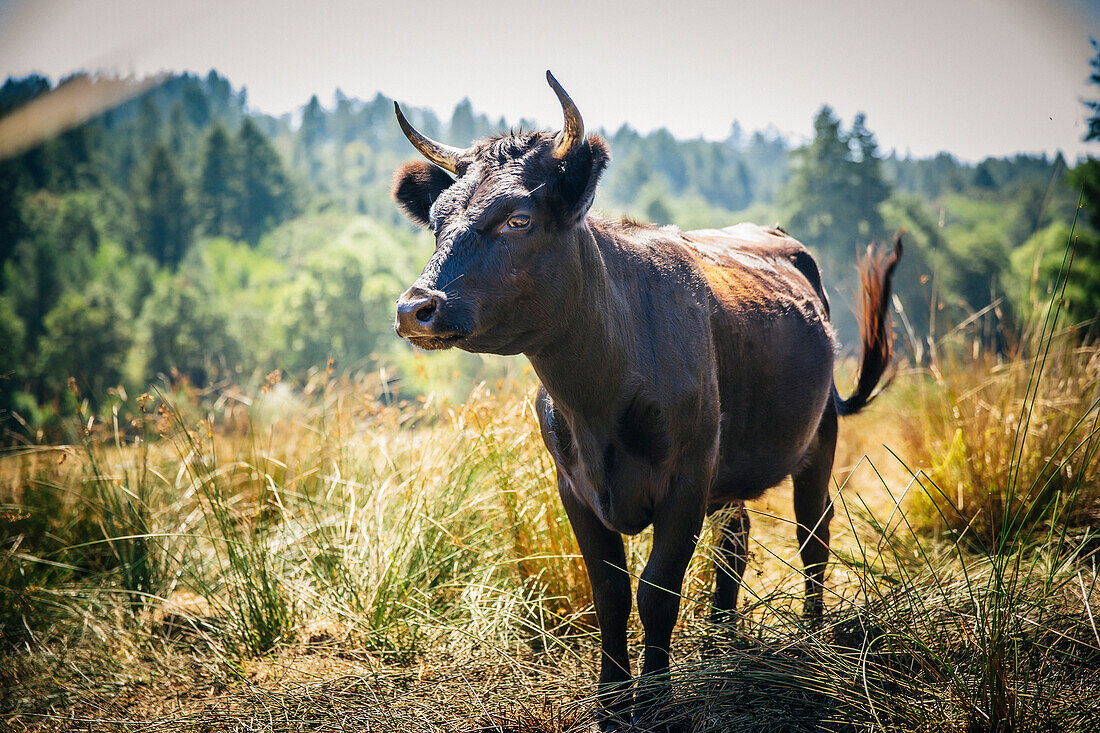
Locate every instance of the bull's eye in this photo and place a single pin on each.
(518, 222)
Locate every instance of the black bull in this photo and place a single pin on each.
(682, 372)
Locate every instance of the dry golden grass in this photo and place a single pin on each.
(320, 557)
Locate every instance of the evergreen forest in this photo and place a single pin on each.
(181, 239)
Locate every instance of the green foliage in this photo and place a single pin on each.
(654, 207)
(338, 303)
(130, 276)
(330, 291)
(53, 256)
(727, 175)
(627, 177)
(974, 262)
(924, 248)
(1082, 292)
(13, 334)
(87, 336)
(185, 331)
(1033, 264)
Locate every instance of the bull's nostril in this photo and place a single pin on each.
(425, 312)
(419, 313)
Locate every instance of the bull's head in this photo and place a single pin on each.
(508, 230)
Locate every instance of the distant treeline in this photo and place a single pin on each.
(183, 237)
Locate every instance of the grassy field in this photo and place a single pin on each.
(323, 556)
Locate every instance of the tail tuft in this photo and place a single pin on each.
(876, 272)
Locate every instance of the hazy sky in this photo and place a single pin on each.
(974, 77)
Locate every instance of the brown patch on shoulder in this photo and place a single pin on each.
(732, 285)
(755, 269)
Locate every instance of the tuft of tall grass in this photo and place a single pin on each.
(1006, 451)
(68, 516)
(119, 499)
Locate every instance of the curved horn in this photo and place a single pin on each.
(572, 132)
(442, 155)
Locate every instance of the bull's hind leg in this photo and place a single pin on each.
(729, 564)
(813, 510)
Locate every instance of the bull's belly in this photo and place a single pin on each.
(744, 476)
(765, 441)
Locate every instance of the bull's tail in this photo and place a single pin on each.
(875, 274)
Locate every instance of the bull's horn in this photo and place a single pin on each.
(442, 155)
(572, 132)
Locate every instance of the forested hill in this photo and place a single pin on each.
(183, 238)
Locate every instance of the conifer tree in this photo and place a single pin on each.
(34, 280)
(219, 192)
(1093, 105)
(13, 357)
(871, 188)
(265, 191)
(52, 257)
(819, 184)
(163, 211)
(195, 104)
(180, 133)
(314, 128)
(1083, 287)
(463, 127)
(147, 131)
(311, 136)
(835, 189)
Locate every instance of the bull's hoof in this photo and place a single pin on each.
(812, 615)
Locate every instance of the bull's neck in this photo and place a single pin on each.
(582, 366)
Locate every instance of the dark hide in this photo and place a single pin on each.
(681, 372)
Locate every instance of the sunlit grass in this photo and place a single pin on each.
(304, 532)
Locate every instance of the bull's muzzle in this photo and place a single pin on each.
(419, 315)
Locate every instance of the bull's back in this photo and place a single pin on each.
(774, 350)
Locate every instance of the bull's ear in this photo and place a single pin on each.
(416, 186)
(580, 173)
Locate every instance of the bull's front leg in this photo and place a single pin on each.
(605, 561)
(675, 533)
